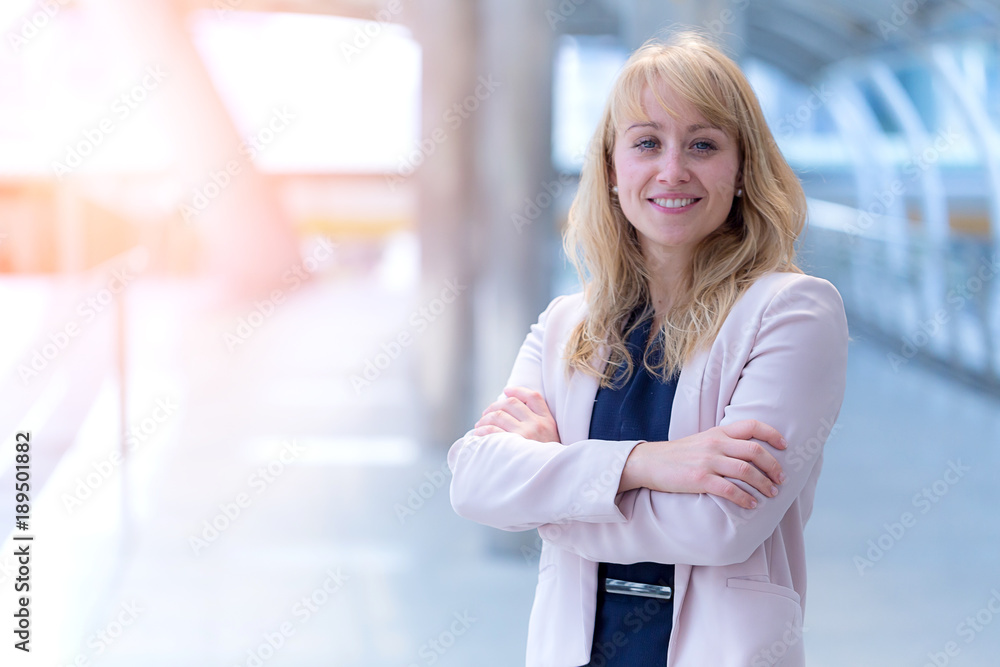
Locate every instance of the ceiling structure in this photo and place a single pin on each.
(799, 38)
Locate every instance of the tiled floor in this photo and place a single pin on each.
(293, 484)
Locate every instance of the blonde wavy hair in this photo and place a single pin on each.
(757, 237)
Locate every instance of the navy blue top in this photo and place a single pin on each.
(633, 631)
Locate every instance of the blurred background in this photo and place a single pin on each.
(263, 261)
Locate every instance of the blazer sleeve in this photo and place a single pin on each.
(793, 380)
(507, 481)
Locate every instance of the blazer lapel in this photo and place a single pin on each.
(685, 419)
(578, 403)
(685, 414)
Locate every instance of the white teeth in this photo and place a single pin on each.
(673, 203)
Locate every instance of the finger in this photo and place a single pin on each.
(495, 405)
(755, 453)
(746, 472)
(515, 407)
(717, 486)
(487, 419)
(503, 420)
(746, 429)
(486, 430)
(533, 399)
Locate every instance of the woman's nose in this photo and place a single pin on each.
(673, 167)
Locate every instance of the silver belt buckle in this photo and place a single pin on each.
(634, 588)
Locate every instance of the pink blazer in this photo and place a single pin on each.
(740, 576)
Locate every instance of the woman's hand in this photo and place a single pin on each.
(523, 412)
(700, 463)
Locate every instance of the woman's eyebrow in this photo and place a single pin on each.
(701, 126)
(691, 128)
(648, 123)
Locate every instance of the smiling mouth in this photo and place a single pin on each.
(674, 203)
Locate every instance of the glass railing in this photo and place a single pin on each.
(929, 300)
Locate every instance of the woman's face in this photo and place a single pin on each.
(676, 176)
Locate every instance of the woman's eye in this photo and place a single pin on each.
(646, 144)
(703, 146)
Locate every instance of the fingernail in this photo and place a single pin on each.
(781, 478)
(753, 504)
(784, 443)
(774, 491)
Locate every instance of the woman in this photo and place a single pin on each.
(663, 429)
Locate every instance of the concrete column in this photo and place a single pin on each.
(445, 182)
(487, 108)
(516, 185)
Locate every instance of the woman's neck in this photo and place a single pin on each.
(669, 279)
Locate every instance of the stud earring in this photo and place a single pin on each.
(614, 189)
(739, 192)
